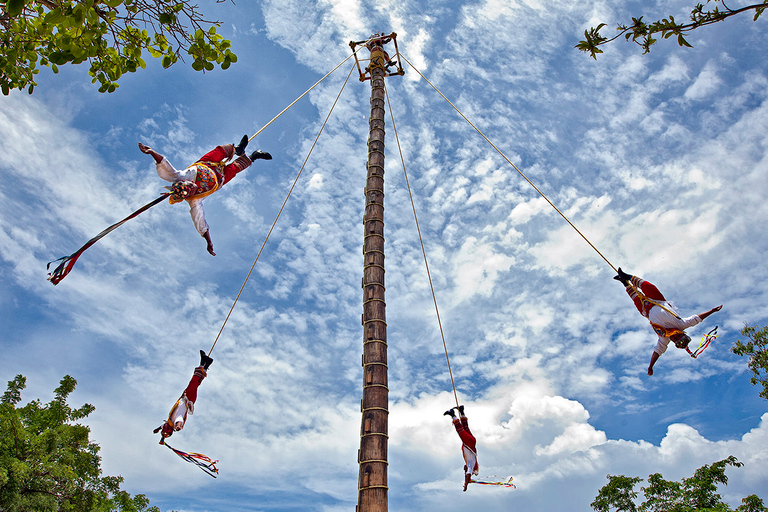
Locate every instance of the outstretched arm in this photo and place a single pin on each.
(207, 236)
(198, 217)
(654, 358)
(713, 310)
(149, 151)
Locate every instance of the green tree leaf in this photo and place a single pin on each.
(14, 7)
(110, 35)
(55, 16)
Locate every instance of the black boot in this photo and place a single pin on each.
(461, 410)
(623, 277)
(205, 361)
(260, 155)
(450, 413)
(240, 148)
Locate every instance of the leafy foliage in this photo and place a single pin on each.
(618, 493)
(757, 350)
(111, 35)
(47, 463)
(696, 493)
(642, 33)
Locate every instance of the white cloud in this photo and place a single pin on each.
(706, 83)
(476, 268)
(523, 212)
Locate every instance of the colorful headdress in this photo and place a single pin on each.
(181, 190)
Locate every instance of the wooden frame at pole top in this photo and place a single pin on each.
(379, 57)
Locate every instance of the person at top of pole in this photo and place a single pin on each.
(203, 178)
(468, 443)
(186, 403)
(378, 41)
(665, 321)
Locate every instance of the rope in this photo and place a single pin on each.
(423, 251)
(281, 207)
(512, 164)
(305, 93)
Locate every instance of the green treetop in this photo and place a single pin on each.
(47, 462)
(111, 35)
(694, 494)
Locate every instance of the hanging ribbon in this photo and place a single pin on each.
(67, 262)
(705, 341)
(488, 481)
(198, 459)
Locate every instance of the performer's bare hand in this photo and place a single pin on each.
(207, 236)
(654, 358)
(713, 310)
(149, 151)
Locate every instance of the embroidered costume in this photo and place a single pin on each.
(203, 178)
(662, 315)
(186, 403)
(664, 319)
(208, 174)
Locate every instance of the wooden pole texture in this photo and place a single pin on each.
(372, 456)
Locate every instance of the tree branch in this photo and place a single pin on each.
(641, 33)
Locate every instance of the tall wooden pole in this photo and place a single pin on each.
(372, 456)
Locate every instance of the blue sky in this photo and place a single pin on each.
(659, 159)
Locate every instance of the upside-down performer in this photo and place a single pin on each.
(204, 177)
(186, 403)
(192, 184)
(665, 321)
(468, 442)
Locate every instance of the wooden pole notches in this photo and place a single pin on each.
(374, 406)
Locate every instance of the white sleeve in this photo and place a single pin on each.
(690, 321)
(198, 215)
(166, 171)
(661, 345)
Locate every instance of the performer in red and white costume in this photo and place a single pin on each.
(664, 319)
(468, 449)
(203, 178)
(186, 403)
